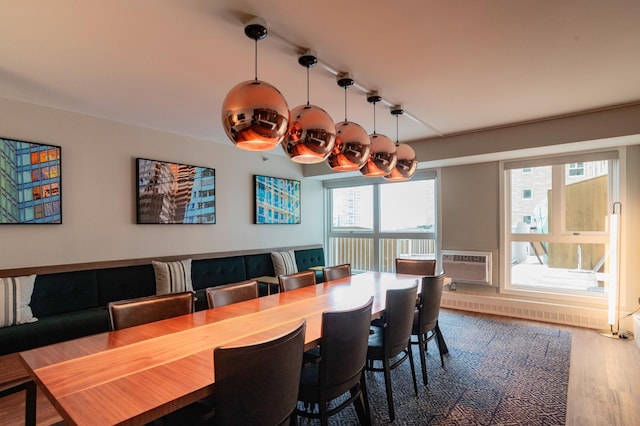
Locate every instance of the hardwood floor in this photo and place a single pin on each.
(604, 384)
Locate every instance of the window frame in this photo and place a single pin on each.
(559, 234)
(375, 234)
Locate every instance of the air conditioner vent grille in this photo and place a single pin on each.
(467, 267)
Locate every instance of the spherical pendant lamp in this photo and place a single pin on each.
(407, 163)
(255, 115)
(311, 134)
(382, 157)
(352, 146)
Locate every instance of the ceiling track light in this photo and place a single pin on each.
(360, 87)
(407, 163)
(382, 157)
(311, 134)
(255, 115)
(352, 146)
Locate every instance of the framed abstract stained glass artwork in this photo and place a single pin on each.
(30, 183)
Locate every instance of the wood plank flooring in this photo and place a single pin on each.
(604, 384)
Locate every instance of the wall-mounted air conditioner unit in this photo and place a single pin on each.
(467, 266)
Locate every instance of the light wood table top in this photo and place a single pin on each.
(138, 374)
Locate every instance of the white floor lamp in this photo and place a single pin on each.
(614, 275)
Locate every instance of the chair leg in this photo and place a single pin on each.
(413, 368)
(293, 419)
(423, 360)
(442, 345)
(30, 404)
(365, 397)
(360, 404)
(324, 418)
(387, 384)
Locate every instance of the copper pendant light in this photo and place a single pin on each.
(382, 158)
(407, 163)
(311, 134)
(255, 115)
(352, 146)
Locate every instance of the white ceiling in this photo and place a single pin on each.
(457, 66)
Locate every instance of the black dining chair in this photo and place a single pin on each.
(340, 367)
(143, 310)
(296, 280)
(258, 384)
(424, 267)
(425, 322)
(231, 293)
(416, 266)
(391, 342)
(336, 272)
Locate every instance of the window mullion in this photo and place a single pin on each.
(558, 207)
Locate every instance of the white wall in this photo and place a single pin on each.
(98, 193)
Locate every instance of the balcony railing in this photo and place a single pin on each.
(359, 251)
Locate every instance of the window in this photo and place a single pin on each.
(576, 169)
(373, 223)
(557, 237)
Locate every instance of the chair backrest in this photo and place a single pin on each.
(343, 349)
(429, 306)
(336, 272)
(416, 266)
(142, 310)
(231, 293)
(258, 384)
(297, 280)
(399, 310)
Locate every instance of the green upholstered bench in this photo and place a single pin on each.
(71, 301)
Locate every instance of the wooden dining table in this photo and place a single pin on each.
(138, 374)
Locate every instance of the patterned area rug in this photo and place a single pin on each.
(497, 373)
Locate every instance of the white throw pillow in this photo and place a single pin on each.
(173, 277)
(284, 262)
(15, 297)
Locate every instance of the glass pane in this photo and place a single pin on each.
(408, 206)
(530, 199)
(356, 251)
(352, 209)
(587, 197)
(560, 266)
(390, 248)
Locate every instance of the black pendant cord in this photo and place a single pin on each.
(374, 118)
(307, 85)
(255, 61)
(397, 138)
(345, 104)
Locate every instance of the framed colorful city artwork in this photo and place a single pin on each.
(30, 183)
(174, 193)
(277, 200)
